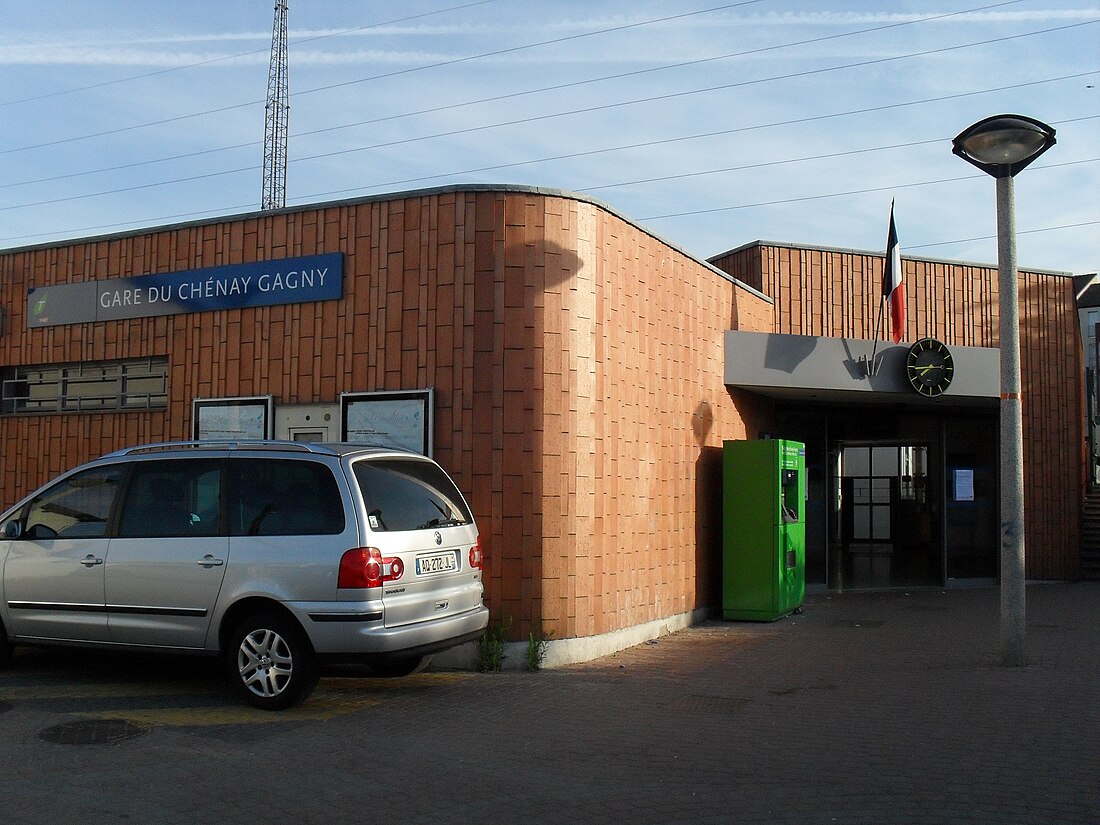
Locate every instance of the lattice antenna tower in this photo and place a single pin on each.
(277, 114)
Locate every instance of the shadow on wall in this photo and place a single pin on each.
(708, 510)
(788, 352)
(758, 416)
(511, 451)
(708, 527)
(702, 422)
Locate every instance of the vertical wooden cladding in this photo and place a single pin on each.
(445, 291)
(837, 293)
(1052, 369)
(407, 320)
(576, 362)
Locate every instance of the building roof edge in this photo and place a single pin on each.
(389, 196)
(876, 253)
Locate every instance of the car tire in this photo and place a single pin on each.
(5, 647)
(270, 662)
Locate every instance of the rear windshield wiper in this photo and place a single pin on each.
(450, 518)
(441, 522)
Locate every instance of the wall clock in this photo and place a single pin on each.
(929, 367)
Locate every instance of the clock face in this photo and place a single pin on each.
(929, 367)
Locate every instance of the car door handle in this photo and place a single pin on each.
(91, 560)
(209, 561)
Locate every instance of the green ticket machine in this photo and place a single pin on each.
(763, 529)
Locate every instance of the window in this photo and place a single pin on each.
(109, 385)
(77, 507)
(409, 495)
(172, 499)
(277, 497)
(914, 473)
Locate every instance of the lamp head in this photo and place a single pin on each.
(1002, 145)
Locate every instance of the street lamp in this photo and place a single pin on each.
(1001, 146)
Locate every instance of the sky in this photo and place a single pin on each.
(712, 124)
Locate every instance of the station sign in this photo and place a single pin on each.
(235, 286)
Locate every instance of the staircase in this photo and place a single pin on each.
(1090, 537)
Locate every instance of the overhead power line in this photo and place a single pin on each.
(651, 99)
(663, 141)
(636, 72)
(514, 95)
(804, 159)
(596, 151)
(230, 210)
(645, 144)
(499, 52)
(994, 237)
(230, 57)
(846, 193)
(440, 64)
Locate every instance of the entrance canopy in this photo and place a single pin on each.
(807, 367)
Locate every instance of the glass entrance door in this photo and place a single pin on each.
(886, 519)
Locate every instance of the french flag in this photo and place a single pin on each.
(891, 281)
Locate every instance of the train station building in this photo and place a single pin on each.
(575, 373)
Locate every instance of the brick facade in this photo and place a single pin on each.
(576, 362)
(577, 367)
(834, 292)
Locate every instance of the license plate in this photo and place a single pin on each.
(438, 563)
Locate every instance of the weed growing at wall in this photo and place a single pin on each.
(490, 648)
(536, 650)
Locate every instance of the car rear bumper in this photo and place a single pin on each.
(352, 633)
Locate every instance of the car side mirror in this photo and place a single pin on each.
(13, 529)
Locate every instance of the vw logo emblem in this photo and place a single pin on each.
(438, 538)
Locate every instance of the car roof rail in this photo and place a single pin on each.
(219, 444)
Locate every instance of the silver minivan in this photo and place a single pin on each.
(278, 556)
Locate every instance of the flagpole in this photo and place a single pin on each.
(878, 326)
(881, 312)
(891, 243)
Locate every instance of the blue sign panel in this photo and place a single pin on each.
(286, 281)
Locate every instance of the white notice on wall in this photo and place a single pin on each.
(396, 422)
(232, 422)
(964, 485)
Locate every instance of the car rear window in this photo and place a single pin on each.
(409, 494)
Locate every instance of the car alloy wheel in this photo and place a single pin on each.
(265, 663)
(271, 663)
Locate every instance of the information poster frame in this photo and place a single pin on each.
(242, 418)
(391, 418)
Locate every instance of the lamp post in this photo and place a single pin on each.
(1002, 146)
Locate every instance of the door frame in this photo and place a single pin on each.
(835, 515)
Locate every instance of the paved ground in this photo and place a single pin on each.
(867, 708)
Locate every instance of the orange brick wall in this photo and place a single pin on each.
(632, 524)
(836, 293)
(576, 362)
(613, 411)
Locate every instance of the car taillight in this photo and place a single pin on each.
(365, 567)
(477, 559)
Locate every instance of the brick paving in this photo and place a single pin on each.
(867, 708)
